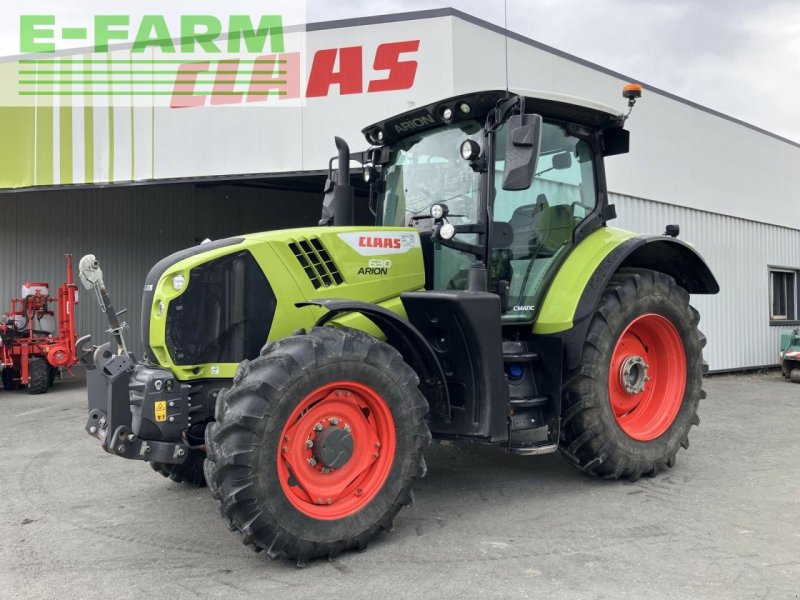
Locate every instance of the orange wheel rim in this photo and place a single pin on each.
(647, 377)
(336, 450)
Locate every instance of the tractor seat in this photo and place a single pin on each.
(540, 229)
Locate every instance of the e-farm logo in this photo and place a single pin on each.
(38, 33)
(198, 59)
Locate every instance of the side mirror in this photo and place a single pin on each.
(522, 151)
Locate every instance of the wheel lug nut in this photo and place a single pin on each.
(377, 444)
(312, 461)
(347, 428)
(318, 501)
(309, 444)
(318, 427)
(359, 491)
(327, 500)
(375, 454)
(285, 449)
(334, 421)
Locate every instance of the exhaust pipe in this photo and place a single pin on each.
(343, 193)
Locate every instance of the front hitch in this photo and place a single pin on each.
(111, 419)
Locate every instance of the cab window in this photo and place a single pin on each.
(543, 218)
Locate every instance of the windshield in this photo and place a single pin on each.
(427, 169)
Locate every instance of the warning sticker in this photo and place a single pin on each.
(161, 411)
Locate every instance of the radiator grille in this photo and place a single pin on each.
(316, 262)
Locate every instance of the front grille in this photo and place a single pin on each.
(223, 315)
(316, 262)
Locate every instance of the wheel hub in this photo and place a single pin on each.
(633, 375)
(333, 447)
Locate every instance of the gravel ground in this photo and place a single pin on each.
(76, 523)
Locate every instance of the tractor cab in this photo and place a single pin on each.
(500, 184)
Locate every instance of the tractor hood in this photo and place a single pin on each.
(207, 308)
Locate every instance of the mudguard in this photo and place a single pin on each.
(575, 291)
(405, 338)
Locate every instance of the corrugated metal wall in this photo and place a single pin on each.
(129, 229)
(736, 321)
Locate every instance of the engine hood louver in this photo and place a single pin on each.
(316, 262)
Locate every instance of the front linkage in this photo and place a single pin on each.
(123, 394)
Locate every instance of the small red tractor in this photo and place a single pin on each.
(35, 343)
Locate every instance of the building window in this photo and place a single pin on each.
(783, 294)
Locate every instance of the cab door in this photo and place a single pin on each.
(542, 218)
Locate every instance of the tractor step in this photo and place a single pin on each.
(528, 402)
(521, 357)
(533, 449)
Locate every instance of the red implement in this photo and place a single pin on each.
(34, 342)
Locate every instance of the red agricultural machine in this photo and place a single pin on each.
(35, 343)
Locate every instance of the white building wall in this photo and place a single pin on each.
(739, 252)
(680, 153)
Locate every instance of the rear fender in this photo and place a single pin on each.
(575, 293)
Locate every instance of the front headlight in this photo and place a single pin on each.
(178, 281)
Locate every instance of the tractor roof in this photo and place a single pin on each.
(479, 103)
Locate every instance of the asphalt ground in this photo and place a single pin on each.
(724, 523)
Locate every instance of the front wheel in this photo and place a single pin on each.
(317, 443)
(630, 404)
(190, 472)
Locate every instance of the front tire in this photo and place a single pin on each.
(317, 443)
(189, 472)
(630, 404)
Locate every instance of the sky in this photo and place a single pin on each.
(739, 57)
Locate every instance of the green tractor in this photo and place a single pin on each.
(301, 373)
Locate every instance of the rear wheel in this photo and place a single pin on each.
(316, 446)
(9, 379)
(629, 406)
(38, 376)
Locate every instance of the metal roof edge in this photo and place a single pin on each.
(453, 12)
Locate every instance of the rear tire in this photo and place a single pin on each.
(190, 472)
(9, 382)
(286, 496)
(623, 417)
(38, 376)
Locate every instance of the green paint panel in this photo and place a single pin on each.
(88, 144)
(367, 278)
(44, 145)
(17, 131)
(561, 301)
(111, 143)
(65, 162)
